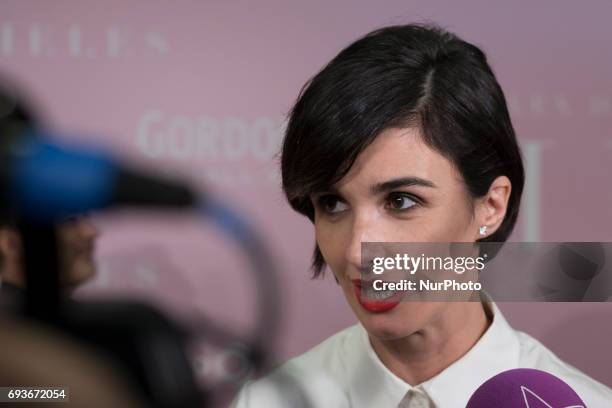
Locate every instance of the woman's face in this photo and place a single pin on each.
(372, 203)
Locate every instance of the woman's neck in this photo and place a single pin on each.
(425, 353)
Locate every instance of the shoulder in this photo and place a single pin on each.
(314, 378)
(535, 355)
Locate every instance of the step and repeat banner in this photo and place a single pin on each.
(201, 90)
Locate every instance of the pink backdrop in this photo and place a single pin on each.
(200, 88)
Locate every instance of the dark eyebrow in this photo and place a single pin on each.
(400, 182)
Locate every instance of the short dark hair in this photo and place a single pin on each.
(397, 77)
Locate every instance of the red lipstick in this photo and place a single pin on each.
(375, 305)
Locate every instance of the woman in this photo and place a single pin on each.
(405, 137)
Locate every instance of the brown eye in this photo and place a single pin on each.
(332, 204)
(400, 201)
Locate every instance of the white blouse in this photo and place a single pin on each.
(344, 371)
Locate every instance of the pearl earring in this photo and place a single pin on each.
(483, 230)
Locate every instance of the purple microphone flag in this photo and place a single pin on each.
(525, 388)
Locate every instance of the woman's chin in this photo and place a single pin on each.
(386, 331)
(403, 320)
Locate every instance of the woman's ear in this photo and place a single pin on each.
(492, 207)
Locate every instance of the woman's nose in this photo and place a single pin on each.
(364, 229)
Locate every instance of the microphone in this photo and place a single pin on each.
(525, 388)
(45, 180)
(42, 182)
